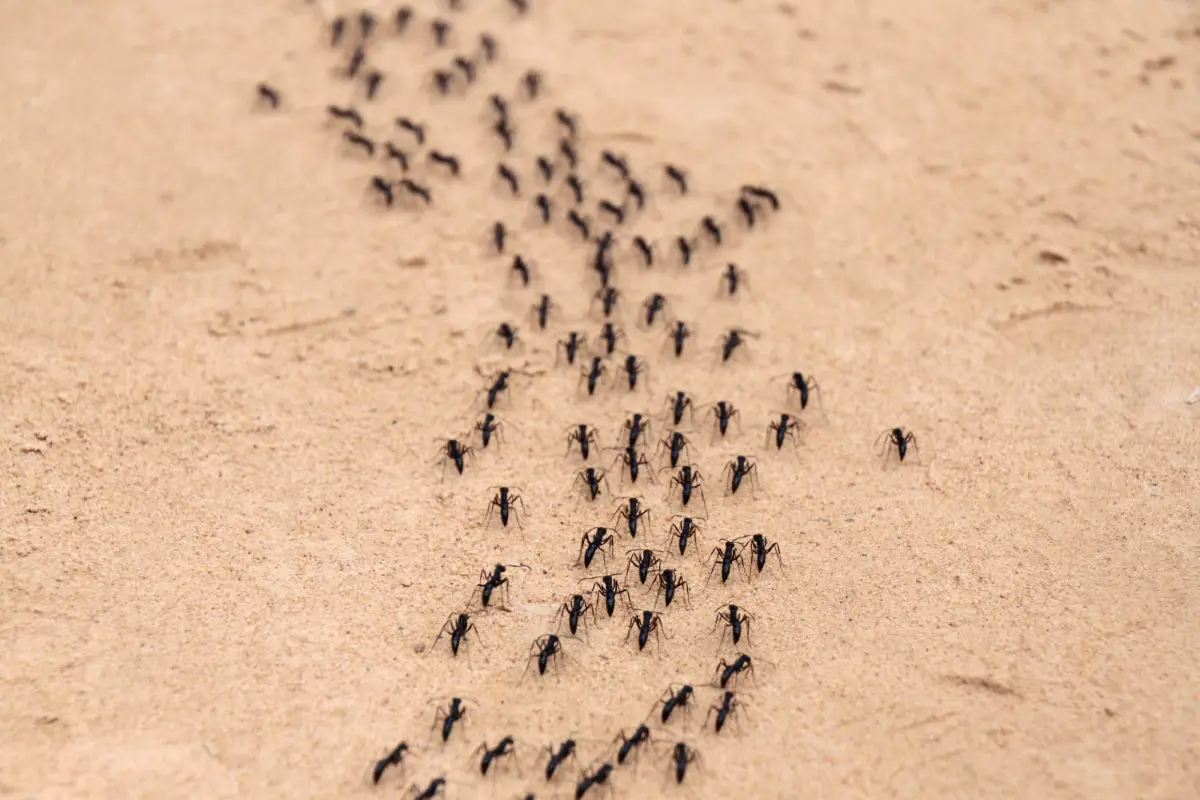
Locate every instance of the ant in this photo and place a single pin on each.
(679, 403)
(358, 140)
(392, 759)
(495, 580)
(384, 188)
(458, 626)
(675, 445)
(635, 191)
(543, 204)
(448, 161)
(373, 79)
(760, 548)
(727, 554)
(741, 467)
(504, 500)
(441, 29)
(804, 386)
(632, 459)
(544, 649)
(616, 162)
(736, 619)
(580, 224)
(499, 106)
(637, 426)
(443, 80)
(396, 154)
(899, 441)
(646, 561)
(732, 340)
(652, 306)
(487, 44)
(558, 755)
(784, 428)
(647, 623)
(567, 149)
(669, 582)
(416, 129)
(593, 542)
(610, 588)
(489, 427)
(678, 176)
(598, 778)
(403, 17)
(609, 335)
(576, 186)
(417, 190)
(449, 716)
(685, 250)
(683, 532)
(608, 297)
(646, 249)
(585, 436)
(545, 167)
(571, 345)
(689, 480)
(520, 267)
(576, 610)
(466, 67)
(532, 80)
(509, 177)
(505, 133)
(629, 744)
(436, 786)
(499, 234)
(762, 193)
(634, 367)
(632, 512)
(349, 114)
(683, 756)
(680, 333)
(748, 210)
(729, 671)
(366, 22)
(336, 29)
(617, 212)
(593, 374)
(711, 227)
(732, 278)
(454, 451)
(499, 384)
(567, 121)
(507, 334)
(493, 754)
(724, 708)
(269, 94)
(724, 411)
(357, 59)
(672, 700)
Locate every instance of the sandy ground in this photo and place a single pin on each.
(225, 548)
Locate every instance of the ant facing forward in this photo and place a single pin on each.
(454, 451)
(505, 500)
(689, 481)
(646, 622)
(741, 467)
(585, 436)
(491, 581)
(786, 427)
(899, 441)
(726, 555)
(804, 386)
(736, 619)
(458, 626)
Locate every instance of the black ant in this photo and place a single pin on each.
(689, 480)
(763, 193)
(609, 588)
(593, 542)
(269, 94)
(504, 501)
(436, 786)
(675, 444)
(488, 428)
(728, 671)
(635, 191)
(634, 367)
(616, 162)
(392, 759)
(598, 778)
(499, 234)
(727, 554)
(372, 81)
(448, 161)
(711, 227)
(494, 580)
(786, 427)
(509, 177)
(645, 561)
(581, 224)
(899, 441)
(543, 204)
(585, 436)
(520, 268)
(458, 626)
(417, 190)
(505, 133)
(684, 245)
(403, 17)
(571, 345)
(652, 306)
(633, 461)
(349, 114)
(737, 469)
(646, 249)
(357, 59)
(576, 186)
(499, 106)
(466, 66)
(678, 176)
(609, 335)
(804, 386)
(646, 622)
(487, 44)
(683, 532)
(544, 649)
(454, 451)
(732, 278)
(546, 168)
(679, 403)
(366, 22)
(724, 708)
(679, 334)
(492, 755)
(732, 340)
(636, 427)
(567, 121)
(336, 29)
(441, 29)
(593, 374)
(416, 129)
(499, 384)
(449, 716)
(748, 210)
(384, 188)
(682, 756)
(394, 153)
(629, 744)
(617, 212)
(760, 548)
(443, 80)
(670, 582)
(672, 700)
(558, 755)
(520, 6)
(358, 140)
(608, 298)
(736, 619)
(532, 81)
(576, 610)
(632, 512)
(724, 411)
(507, 334)
(541, 311)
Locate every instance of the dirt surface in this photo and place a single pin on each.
(225, 543)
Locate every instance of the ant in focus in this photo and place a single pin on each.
(741, 467)
(504, 501)
(683, 532)
(723, 413)
(492, 755)
(724, 709)
(593, 542)
(449, 716)
(689, 481)
(571, 346)
(454, 451)
(670, 582)
(633, 513)
(786, 427)
(490, 427)
(646, 622)
(760, 548)
(898, 441)
(609, 588)
(576, 611)
(675, 447)
(726, 555)
(645, 561)
(491, 581)
(458, 626)
(736, 619)
(727, 671)
(585, 436)
(633, 460)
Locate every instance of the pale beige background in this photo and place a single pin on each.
(221, 540)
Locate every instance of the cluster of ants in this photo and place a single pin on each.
(561, 192)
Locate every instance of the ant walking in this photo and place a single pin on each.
(741, 467)
(785, 428)
(726, 555)
(897, 439)
(689, 481)
(682, 532)
(545, 651)
(491, 581)
(458, 626)
(805, 386)
(610, 589)
(591, 478)
(736, 619)
(646, 622)
(669, 583)
(576, 610)
(504, 501)
(760, 548)
(584, 436)
(455, 452)
(593, 542)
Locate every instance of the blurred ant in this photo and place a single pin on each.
(392, 759)
(737, 469)
(545, 651)
(762, 193)
(458, 626)
(710, 226)
(728, 672)
(591, 478)
(723, 412)
(558, 755)
(679, 403)
(633, 461)
(672, 700)
(541, 311)
(268, 94)
(436, 786)
(684, 246)
(585, 436)
(636, 428)
(804, 386)
(724, 708)
(454, 452)
(509, 177)
(633, 367)
(416, 129)
(674, 446)
(732, 278)
(629, 744)
(616, 162)
(732, 340)
(785, 428)
(652, 306)
(609, 336)
(449, 716)
(678, 176)
(608, 298)
(546, 168)
(492, 755)
(679, 334)
(570, 346)
(646, 249)
(683, 756)
(508, 335)
(592, 375)
(490, 427)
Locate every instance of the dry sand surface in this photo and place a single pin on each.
(225, 545)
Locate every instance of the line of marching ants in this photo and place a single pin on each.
(558, 189)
